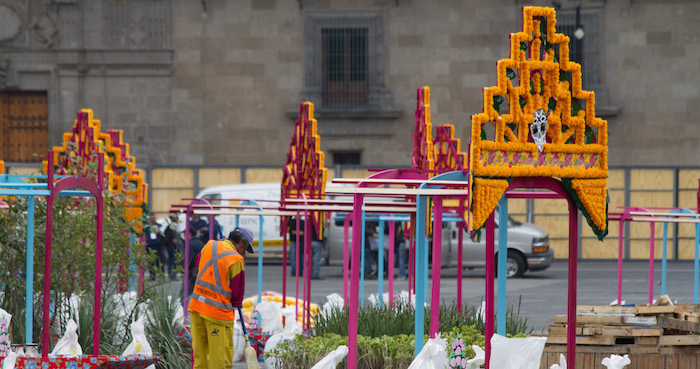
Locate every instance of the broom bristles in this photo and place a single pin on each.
(251, 358)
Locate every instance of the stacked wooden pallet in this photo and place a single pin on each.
(642, 325)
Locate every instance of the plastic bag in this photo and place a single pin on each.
(5, 340)
(335, 302)
(139, 344)
(9, 361)
(238, 342)
(333, 358)
(562, 363)
(516, 353)
(432, 356)
(479, 358)
(291, 329)
(616, 361)
(270, 321)
(68, 344)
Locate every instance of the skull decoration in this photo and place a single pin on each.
(538, 129)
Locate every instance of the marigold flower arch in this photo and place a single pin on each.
(539, 77)
(304, 173)
(120, 166)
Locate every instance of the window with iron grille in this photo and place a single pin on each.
(585, 50)
(343, 65)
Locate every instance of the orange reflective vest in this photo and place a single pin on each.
(212, 293)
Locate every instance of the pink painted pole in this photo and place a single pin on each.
(489, 294)
(573, 271)
(285, 244)
(437, 245)
(392, 235)
(354, 280)
(346, 257)
(185, 293)
(297, 246)
(98, 255)
(307, 270)
(460, 262)
(620, 251)
(411, 269)
(651, 262)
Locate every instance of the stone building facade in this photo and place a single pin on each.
(218, 82)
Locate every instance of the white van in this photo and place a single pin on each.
(265, 194)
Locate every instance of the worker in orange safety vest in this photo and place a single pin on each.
(218, 291)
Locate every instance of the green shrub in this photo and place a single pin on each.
(385, 335)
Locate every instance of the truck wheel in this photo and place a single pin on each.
(515, 265)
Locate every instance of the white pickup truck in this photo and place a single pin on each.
(528, 247)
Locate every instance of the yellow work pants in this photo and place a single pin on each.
(212, 343)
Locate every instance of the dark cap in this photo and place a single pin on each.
(248, 235)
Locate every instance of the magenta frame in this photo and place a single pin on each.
(95, 188)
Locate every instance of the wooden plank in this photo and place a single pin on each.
(591, 319)
(629, 331)
(583, 330)
(647, 341)
(679, 340)
(584, 340)
(678, 324)
(607, 309)
(651, 309)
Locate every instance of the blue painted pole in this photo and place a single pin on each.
(421, 272)
(29, 297)
(132, 266)
(502, 260)
(362, 260)
(380, 263)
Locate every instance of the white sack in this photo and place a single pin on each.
(270, 321)
(516, 353)
(432, 356)
(68, 344)
(479, 358)
(616, 361)
(333, 358)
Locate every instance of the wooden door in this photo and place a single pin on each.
(24, 124)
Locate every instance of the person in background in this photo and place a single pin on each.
(196, 246)
(218, 290)
(174, 244)
(155, 244)
(201, 226)
(316, 249)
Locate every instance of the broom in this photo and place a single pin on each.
(251, 358)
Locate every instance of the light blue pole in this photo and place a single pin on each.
(421, 272)
(502, 260)
(362, 259)
(664, 254)
(380, 262)
(132, 266)
(29, 297)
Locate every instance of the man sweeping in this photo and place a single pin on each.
(218, 291)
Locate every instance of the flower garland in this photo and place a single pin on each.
(547, 80)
